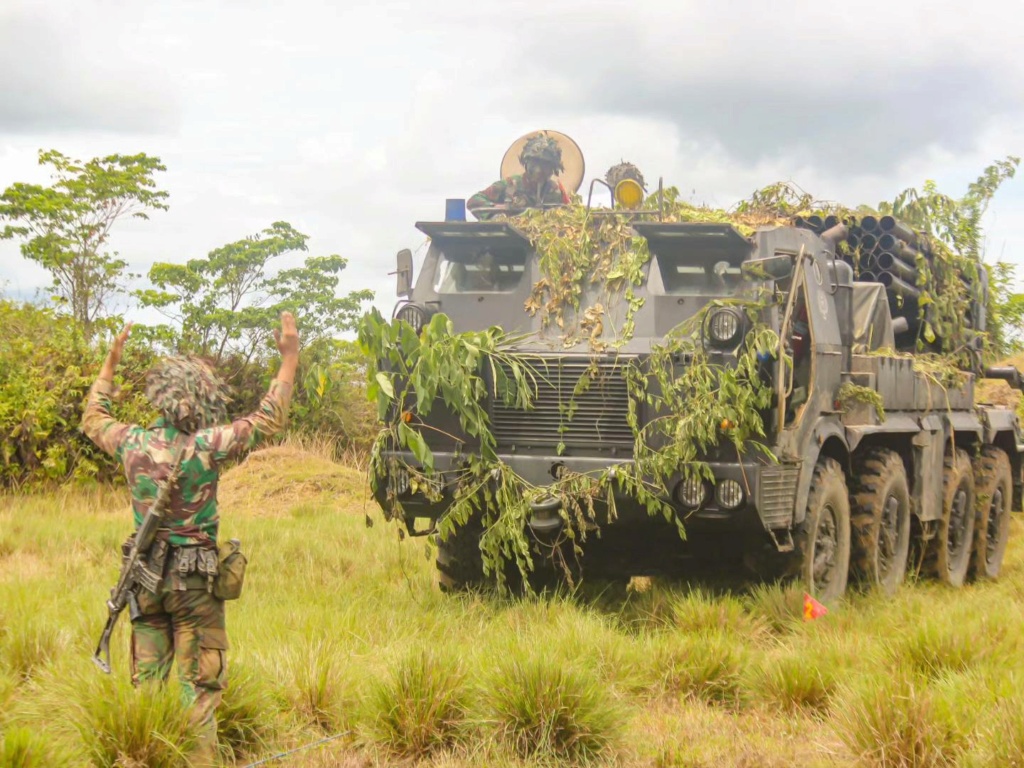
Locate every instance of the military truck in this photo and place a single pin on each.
(911, 474)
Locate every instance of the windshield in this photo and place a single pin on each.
(709, 278)
(480, 269)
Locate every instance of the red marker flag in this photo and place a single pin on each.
(812, 608)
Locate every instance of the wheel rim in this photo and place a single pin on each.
(826, 544)
(888, 536)
(995, 519)
(955, 539)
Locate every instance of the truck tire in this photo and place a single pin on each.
(880, 520)
(822, 540)
(950, 551)
(460, 566)
(993, 485)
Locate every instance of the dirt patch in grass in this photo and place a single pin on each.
(275, 480)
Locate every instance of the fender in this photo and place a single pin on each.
(827, 438)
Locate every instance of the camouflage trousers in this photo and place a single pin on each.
(185, 627)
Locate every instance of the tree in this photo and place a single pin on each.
(226, 303)
(66, 226)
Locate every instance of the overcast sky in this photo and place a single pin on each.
(352, 123)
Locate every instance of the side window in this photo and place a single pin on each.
(689, 276)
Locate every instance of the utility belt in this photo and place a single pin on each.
(221, 571)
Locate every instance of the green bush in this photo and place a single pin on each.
(47, 367)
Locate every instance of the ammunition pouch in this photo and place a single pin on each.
(149, 568)
(231, 572)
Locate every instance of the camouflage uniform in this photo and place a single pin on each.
(513, 192)
(184, 622)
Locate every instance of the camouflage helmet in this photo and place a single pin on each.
(187, 393)
(623, 171)
(540, 146)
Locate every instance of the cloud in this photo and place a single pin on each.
(852, 92)
(72, 72)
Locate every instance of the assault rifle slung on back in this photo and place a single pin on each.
(135, 570)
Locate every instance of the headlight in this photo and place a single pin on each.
(724, 326)
(691, 492)
(729, 494)
(414, 315)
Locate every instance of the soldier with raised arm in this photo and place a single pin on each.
(183, 620)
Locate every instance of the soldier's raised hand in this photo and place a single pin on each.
(288, 337)
(117, 348)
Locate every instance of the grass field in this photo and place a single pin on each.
(342, 629)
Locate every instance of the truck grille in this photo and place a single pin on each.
(777, 495)
(599, 418)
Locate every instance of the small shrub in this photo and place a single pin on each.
(542, 707)
(897, 721)
(420, 707)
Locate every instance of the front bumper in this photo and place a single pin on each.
(768, 492)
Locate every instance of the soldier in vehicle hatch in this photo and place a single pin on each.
(183, 621)
(542, 159)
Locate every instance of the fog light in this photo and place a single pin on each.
(729, 494)
(691, 492)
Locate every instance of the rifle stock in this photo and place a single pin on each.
(134, 571)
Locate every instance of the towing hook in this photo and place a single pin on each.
(545, 515)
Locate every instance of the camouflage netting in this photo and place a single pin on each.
(187, 393)
(576, 249)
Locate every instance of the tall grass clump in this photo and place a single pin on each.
(248, 718)
(542, 707)
(779, 606)
(23, 747)
(708, 666)
(898, 721)
(700, 611)
(29, 646)
(1002, 742)
(116, 724)
(316, 685)
(419, 707)
(937, 645)
(795, 682)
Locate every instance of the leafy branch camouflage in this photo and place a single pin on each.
(187, 393)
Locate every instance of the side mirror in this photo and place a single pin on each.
(777, 267)
(404, 272)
